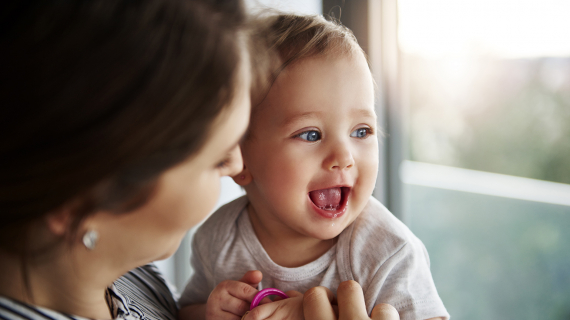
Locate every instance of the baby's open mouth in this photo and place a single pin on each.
(331, 199)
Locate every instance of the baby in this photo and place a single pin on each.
(310, 166)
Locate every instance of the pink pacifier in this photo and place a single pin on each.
(264, 293)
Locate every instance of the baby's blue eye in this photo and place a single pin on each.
(311, 135)
(360, 133)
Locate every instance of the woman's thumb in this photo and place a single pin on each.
(384, 311)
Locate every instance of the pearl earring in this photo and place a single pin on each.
(90, 239)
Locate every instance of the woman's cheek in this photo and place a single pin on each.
(209, 192)
(200, 199)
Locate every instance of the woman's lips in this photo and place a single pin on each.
(319, 199)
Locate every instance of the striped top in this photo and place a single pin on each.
(142, 293)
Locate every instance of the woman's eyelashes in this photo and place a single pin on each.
(224, 163)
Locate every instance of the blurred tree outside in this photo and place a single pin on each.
(486, 84)
(496, 115)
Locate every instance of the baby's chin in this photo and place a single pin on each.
(329, 230)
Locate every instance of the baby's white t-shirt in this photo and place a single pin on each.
(376, 250)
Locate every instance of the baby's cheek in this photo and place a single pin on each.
(282, 181)
(368, 171)
(286, 181)
(369, 161)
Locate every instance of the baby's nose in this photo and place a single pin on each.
(340, 158)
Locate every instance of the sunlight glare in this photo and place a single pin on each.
(499, 28)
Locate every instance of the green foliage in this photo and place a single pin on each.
(513, 115)
(492, 257)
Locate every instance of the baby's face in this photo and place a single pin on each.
(313, 148)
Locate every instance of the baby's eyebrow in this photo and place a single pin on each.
(305, 115)
(366, 113)
(362, 112)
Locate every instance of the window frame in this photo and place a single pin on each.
(375, 25)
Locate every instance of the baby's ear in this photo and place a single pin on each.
(243, 178)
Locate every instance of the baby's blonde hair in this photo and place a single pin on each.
(292, 37)
(295, 37)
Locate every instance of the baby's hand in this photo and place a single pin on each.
(231, 299)
(291, 308)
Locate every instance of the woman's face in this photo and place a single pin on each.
(185, 195)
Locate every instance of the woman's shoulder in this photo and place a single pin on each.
(142, 293)
(15, 310)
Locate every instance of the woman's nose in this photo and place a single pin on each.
(235, 163)
(340, 158)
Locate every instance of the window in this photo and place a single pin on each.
(475, 101)
(485, 85)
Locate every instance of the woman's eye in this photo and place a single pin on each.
(360, 133)
(311, 135)
(223, 164)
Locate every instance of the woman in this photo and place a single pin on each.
(118, 118)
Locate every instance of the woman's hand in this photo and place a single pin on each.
(320, 304)
(290, 308)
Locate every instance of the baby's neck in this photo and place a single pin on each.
(292, 255)
(288, 249)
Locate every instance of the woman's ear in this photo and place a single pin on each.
(58, 221)
(243, 178)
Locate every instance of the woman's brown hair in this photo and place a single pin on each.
(98, 98)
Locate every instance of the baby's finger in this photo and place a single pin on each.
(293, 293)
(241, 290)
(291, 308)
(261, 312)
(385, 311)
(290, 294)
(351, 301)
(234, 306)
(252, 277)
(317, 304)
(266, 300)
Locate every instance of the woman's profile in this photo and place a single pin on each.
(118, 118)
